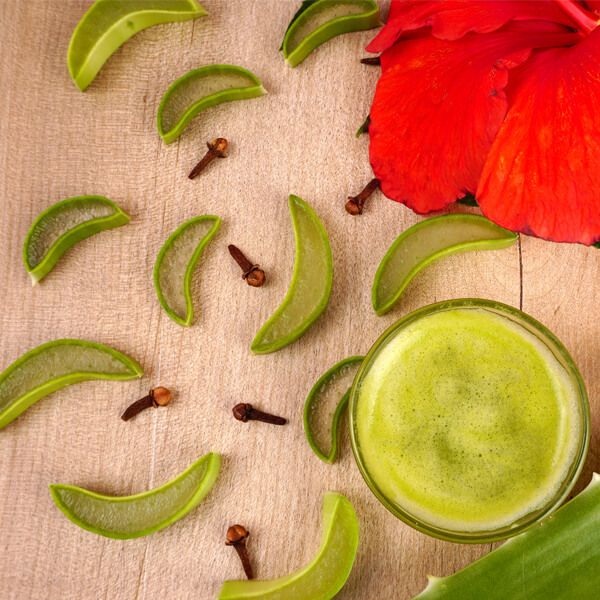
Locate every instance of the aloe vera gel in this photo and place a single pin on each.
(467, 419)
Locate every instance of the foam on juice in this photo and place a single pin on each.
(467, 421)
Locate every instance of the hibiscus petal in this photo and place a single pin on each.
(593, 5)
(438, 106)
(541, 175)
(452, 19)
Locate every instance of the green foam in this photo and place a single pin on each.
(467, 421)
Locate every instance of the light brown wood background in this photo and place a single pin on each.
(57, 142)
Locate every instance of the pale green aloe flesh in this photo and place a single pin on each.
(63, 224)
(310, 288)
(427, 242)
(200, 89)
(125, 517)
(324, 20)
(54, 365)
(555, 560)
(325, 405)
(110, 23)
(175, 266)
(325, 575)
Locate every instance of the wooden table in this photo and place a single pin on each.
(58, 142)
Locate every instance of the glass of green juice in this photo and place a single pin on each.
(469, 420)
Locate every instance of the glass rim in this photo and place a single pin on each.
(527, 521)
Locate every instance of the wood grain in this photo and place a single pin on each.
(57, 143)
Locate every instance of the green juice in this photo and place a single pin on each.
(467, 421)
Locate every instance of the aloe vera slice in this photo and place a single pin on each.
(325, 405)
(309, 291)
(110, 23)
(54, 365)
(325, 575)
(322, 20)
(64, 224)
(124, 517)
(426, 243)
(557, 559)
(200, 89)
(175, 266)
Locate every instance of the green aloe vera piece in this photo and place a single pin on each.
(124, 517)
(426, 243)
(54, 365)
(175, 266)
(110, 23)
(555, 560)
(200, 89)
(325, 405)
(325, 575)
(322, 20)
(309, 291)
(64, 224)
(305, 4)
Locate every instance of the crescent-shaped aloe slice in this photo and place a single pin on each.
(309, 291)
(54, 365)
(200, 89)
(175, 266)
(64, 224)
(427, 242)
(110, 23)
(556, 560)
(124, 517)
(324, 19)
(325, 575)
(325, 405)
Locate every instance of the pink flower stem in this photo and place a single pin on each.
(579, 15)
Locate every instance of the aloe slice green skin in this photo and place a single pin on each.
(426, 243)
(125, 517)
(557, 559)
(305, 4)
(325, 575)
(64, 224)
(54, 365)
(323, 20)
(175, 266)
(310, 288)
(325, 405)
(110, 23)
(200, 89)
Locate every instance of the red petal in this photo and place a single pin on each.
(437, 108)
(541, 175)
(593, 5)
(452, 19)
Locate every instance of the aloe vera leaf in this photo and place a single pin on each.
(324, 20)
(64, 224)
(125, 517)
(310, 288)
(200, 89)
(175, 265)
(555, 560)
(325, 406)
(110, 23)
(426, 243)
(305, 4)
(325, 575)
(54, 365)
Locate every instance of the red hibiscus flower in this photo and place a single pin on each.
(496, 99)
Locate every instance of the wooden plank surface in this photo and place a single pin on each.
(56, 143)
